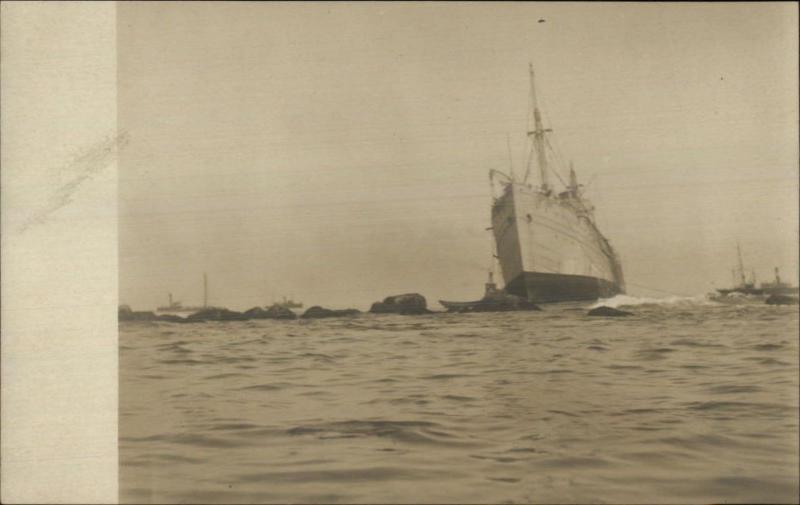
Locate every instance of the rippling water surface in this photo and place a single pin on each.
(683, 402)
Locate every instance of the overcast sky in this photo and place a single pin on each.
(339, 153)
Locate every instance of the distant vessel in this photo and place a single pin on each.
(177, 308)
(743, 286)
(289, 304)
(547, 242)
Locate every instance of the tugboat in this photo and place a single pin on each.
(744, 287)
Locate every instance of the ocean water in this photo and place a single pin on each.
(686, 401)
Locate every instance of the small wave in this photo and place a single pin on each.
(731, 406)
(733, 389)
(444, 376)
(623, 367)
(669, 301)
(414, 432)
(233, 427)
(572, 462)
(767, 347)
(459, 398)
(266, 387)
(688, 342)
(496, 459)
(224, 376)
(510, 480)
(196, 440)
(317, 356)
(371, 474)
(655, 354)
(181, 362)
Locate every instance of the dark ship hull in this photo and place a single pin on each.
(548, 288)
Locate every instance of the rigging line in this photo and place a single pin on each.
(558, 154)
(530, 160)
(510, 160)
(547, 140)
(656, 289)
(557, 148)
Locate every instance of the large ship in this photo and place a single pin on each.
(547, 242)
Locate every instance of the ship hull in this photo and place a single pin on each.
(550, 288)
(550, 250)
(760, 291)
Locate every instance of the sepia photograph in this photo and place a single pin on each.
(435, 252)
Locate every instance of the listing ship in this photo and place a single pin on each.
(743, 286)
(547, 242)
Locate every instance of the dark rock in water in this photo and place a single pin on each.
(216, 314)
(608, 312)
(782, 300)
(126, 314)
(171, 318)
(279, 312)
(317, 312)
(255, 313)
(274, 312)
(407, 304)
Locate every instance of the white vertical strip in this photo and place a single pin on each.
(59, 252)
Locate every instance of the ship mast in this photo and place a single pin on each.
(205, 290)
(537, 137)
(741, 264)
(573, 180)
